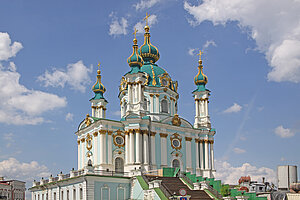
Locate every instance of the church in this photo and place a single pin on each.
(150, 137)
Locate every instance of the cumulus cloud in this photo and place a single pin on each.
(209, 43)
(14, 169)
(192, 51)
(230, 174)
(118, 27)
(145, 4)
(284, 132)
(274, 26)
(239, 150)
(76, 75)
(141, 24)
(69, 117)
(18, 104)
(233, 109)
(8, 49)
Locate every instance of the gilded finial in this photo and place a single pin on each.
(134, 33)
(146, 18)
(98, 68)
(200, 54)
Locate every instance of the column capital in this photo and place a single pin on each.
(126, 132)
(144, 132)
(152, 133)
(157, 95)
(78, 141)
(151, 95)
(206, 141)
(163, 135)
(82, 140)
(102, 131)
(95, 134)
(109, 132)
(188, 139)
(138, 130)
(130, 130)
(211, 141)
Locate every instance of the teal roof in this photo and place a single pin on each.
(200, 79)
(135, 61)
(148, 51)
(98, 88)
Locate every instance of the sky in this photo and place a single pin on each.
(49, 52)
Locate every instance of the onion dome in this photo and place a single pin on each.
(98, 87)
(200, 79)
(135, 61)
(148, 51)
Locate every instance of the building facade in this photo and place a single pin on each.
(12, 189)
(150, 135)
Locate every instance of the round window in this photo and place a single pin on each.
(176, 143)
(119, 140)
(164, 82)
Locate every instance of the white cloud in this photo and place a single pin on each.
(18, 104)
(192, 51)
(8, 49)
(69, 117)
(14, 169)
(230, 174)
(118, 27)
(75, 75)
(284, 132)
(9, 139)
(145, 4)
(141, 24)
(239, 150)
(275, 27)
(117, 113)
(209, 43)
(233, 109)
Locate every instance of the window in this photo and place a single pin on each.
(74, 194)
(81, 193)
(68, 193)
(54, 195)
(176, 163)
(164, 106)
(119, 165)
(62, 195)
(145, 105)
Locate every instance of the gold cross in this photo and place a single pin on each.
(146, 18)
(134, 33)
(99, 65)
(199, 54)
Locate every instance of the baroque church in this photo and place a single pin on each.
(149, 139)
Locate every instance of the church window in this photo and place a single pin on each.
(54, 194)
(119, 165)
(176, 143)
(164, 82)
(74, 194)
(145, 105)
(62, 195)
(68, 195)
(176, 163)
(119, 140)
(164, 106)
(81, 193)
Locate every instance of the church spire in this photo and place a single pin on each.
(148, 51)
(200, 79)
(98, 87)
(135, 61)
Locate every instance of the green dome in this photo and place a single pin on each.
(148, 51)
(135, 61)
(200, 79)
(98, 87)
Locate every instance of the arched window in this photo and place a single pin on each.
(164, 106)
(176, 163)
(119, 165)
(145, 105)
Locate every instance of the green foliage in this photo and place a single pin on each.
(225, 190)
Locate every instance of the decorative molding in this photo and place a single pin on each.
(163, 135)
(151, 95)
(78, 141)
(82, 139)
(211, 141)
(157, 95)
(188, 139)
(197, 140)
(176, 121)
(152, 133)
(109, 132)
(102, 131)
(95, 134)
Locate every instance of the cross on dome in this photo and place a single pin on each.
(146, 18)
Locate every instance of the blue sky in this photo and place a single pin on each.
(49, 52)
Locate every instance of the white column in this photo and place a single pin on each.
(157, 103)
(206, 107)
(202, 108)
(201, 155)
(140, 92)
(109, 147)
(78, 154)
(206, 154)
(146, 150)
(163, 149)
(131, 148)
(100, 112)
(127, 154)
(188, 152)
(153, 159)
(104, 112)
(151, 103)
(197, 107)
(95, 148)
(197, 153)
(212, 164)
(137, 146)
(129, 93)
(102, 147)
(82, 153)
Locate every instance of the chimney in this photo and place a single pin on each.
(263, 179)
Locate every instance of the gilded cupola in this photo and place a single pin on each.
(200, 79)
(98, 87)
(135, 61)
(148, 51)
